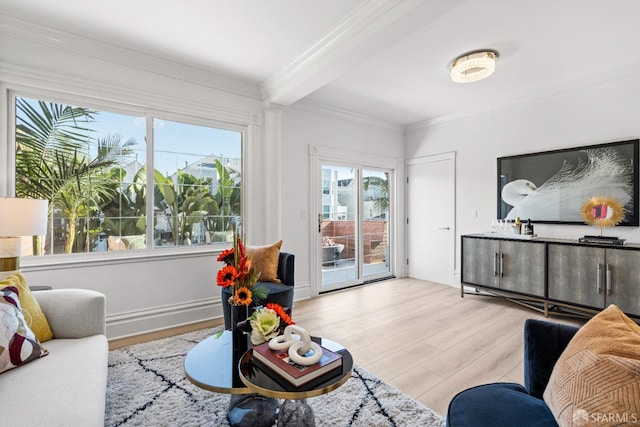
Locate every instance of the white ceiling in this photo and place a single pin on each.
(387, 59)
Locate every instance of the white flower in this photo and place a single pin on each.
(265, 325)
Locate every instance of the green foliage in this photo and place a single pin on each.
(53, 162)
(382, 202)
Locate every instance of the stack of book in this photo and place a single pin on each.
(278, 362)
(602, 240)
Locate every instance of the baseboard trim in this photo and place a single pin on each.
(117, 343)
(134, 323)
(303, 291)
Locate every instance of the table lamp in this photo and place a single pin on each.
(19, 217)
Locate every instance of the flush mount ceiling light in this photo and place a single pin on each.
(473, 66)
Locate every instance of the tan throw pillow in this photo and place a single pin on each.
(265, 260)
(596, 380)
(31, 310)
(18, 344)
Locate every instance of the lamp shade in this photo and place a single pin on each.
(23, 217)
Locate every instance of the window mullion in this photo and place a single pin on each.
(149, 188)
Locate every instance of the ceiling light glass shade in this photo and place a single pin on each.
(473, 66)
(23, 217)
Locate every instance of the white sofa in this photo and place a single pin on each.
(68, 386)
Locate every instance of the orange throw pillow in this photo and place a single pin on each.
(265, 260)
(596, 380)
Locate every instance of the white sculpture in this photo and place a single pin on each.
(298, 342)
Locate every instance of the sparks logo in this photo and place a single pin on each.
(580, 417)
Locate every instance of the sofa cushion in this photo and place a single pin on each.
(66, 388)
(598, 374)
(33, 314)
(18, 344)
(265, 260)
(498, 404)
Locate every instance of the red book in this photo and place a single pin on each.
(278, 361)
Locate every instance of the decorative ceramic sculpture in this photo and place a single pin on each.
(299, 343)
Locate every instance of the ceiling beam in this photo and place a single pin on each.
(371, 27)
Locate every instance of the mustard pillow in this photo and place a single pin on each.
(265, 260)
(31, 310)
(598, 373)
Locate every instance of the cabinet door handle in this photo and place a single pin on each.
(608, 282)
(501, 264)
(495, 264)
(599, 278)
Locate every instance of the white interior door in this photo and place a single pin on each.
(431, 216)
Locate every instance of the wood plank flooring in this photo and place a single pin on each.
(421, 337)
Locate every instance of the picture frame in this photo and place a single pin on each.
(552, 186)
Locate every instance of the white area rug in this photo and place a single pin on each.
(147, 387)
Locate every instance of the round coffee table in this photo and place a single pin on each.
(294, 411)
(209, 365)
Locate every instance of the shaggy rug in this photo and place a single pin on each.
(147, 387)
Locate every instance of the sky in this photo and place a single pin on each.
(175, 144)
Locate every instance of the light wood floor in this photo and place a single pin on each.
(421, 337)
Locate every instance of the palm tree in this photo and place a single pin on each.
(125, 212)
(228, 196)
(382, 201)
(53, 162)
(188, 201)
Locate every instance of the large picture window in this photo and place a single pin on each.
(119, 182)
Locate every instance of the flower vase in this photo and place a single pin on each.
(239, 314)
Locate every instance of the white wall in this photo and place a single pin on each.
(302, 129)
(600, 113)
(144, 291)
(151, 291)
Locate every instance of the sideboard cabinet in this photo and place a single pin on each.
(552, 275)
(504, 264)
(594, 276)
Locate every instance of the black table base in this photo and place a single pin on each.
(252, 410)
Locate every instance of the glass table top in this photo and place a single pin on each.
(209, 365)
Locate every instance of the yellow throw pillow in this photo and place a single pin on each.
(31, 310)
(597, 377)
(265, 260)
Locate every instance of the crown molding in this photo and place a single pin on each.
(330, 111)
(25, 79)
(12, 27)
(601, 76)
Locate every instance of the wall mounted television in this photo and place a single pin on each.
(552, 186)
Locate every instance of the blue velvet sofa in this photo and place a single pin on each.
(510, 404)
(279, 293)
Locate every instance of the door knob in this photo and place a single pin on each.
(444, 228)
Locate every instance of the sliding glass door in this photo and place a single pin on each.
(353, 226)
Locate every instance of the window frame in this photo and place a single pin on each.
(9, 95)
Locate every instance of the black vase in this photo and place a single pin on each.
(239, 314)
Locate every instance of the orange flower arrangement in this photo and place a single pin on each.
(238, 274)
